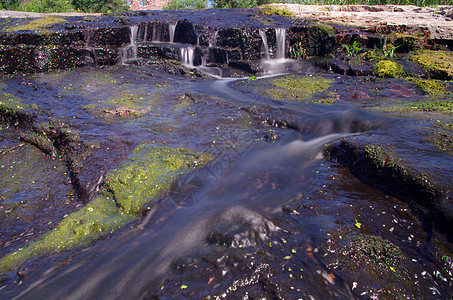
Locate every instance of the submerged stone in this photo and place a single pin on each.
(145, 176)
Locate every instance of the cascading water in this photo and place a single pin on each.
(130, 51)
(171, 31)
(187, 55)
(281, 40)
(265, 44)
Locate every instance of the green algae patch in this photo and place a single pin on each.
(38, 24)
(375, 252)
(388, 69)
(430, 86)
(97, 218)
(441, 137)
(274, 11)
(296, 87)
(438, 63)
(319, 39)
(439, 106)
(331, 98)
(13, 111)
(147, 174)
(434, 106)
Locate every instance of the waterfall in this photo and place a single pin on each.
(187, 55)
(171, 30)
(145, 31)
(133, 35)
(213, 42)
(130, 51)
(280, 34)
(265, 44)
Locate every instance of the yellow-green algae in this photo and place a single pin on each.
(442, 137)
(274, 11)
(388, 69)
(38, 24)
(439, 106)
(430, 86)
(297, 87)
(11, 109)
(147, 174)
(439, 63)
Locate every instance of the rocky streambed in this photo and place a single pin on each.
(224, 154)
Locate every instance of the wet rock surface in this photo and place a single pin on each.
(140, 172)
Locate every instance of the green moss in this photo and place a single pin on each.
(388, 69)
(438, 63)
(147, 174)
(319, 39)
(296, 87)
(382, 158)
(185, 101)
(430, 86)
(380, 253)
(274, 11)
(433, 106)
(12, 109)
(38, 24)
(442, 137)
(331, 98)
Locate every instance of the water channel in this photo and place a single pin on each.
(269, 217)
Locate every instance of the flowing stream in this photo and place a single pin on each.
(269, 217)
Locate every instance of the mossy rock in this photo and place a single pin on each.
(300, 88)
(430, 86)
(374, 251)
(13, 112)
(41, 24)
(274, 11)
(319, 39)
(438, 63)
(442, 137)
(146, 175)
(388, 69)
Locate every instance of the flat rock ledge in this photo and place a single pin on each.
(436, 22)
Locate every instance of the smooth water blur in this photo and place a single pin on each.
(265, 219)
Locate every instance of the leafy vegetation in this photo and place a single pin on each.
(185, 4)
(354, 49)
(101, 6)
(239, 3)
(53, 6)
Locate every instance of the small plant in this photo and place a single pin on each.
(354, 49)
(298, 51)
(253, 78)
(389, 50)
